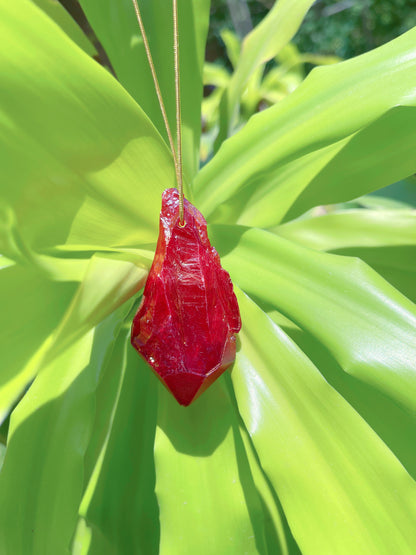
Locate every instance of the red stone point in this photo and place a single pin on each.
(186, 324)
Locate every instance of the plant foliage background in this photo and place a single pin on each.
(307, 445)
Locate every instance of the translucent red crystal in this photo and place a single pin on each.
(185, 327)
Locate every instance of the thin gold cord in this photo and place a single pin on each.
(177, 155)
(156, 82)
(179, 174)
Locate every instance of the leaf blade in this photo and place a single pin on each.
(62, 18)
(181, 460)
(29, 302)
(282, 395)
(119, 507)
(361, 319)
(103, 177)
(384, 239)
(263, 43)
(117, 28)
(277, 148)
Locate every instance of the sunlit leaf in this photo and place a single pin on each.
(279, 538)
(393, 423)
(31, 308)
(61, 17)
(389, 146)
(307, 443)
(341, 488)
(110, 280)
(81, 163)
(53, 320)
(385, 239)
(332, 126)
(55, 419)
(232, 45)
(353, 228)
(204, 485)
(119, 506)
(395, 196)
(366, 324)
(116, 26)
(262, 44)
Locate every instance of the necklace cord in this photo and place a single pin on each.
(177, 154)
(178, 110)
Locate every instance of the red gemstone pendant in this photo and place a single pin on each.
(185, 327)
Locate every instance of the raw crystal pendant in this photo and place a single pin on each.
(185, 327)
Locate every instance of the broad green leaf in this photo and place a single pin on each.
(18, 251)
(353, 228)
(389, 146)
(107, 397)
(61, 17)
(54, 320)
(384, 239)
(31, 307)
(391, 422)
(397, 195)
(341, 488)
(395, 264)
(306, 140)
(366, 324)
(368, 160)
(54, 419)
(119, 507)
(278, 536)
(94, 166)
(110, 280)
(262, 44)
(204, 488)
(116, 26)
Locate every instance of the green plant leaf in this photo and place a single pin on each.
(366, 324)
(215, 75)
(318, 444)
(391, 422)
(397, 195)
(372, 158)
(110, 280)
(230, 517)
(353, 228)
(94, 166)
(263, 43)
(232, 45)
(389, 147)
(32, 307)
(54, 418)
(384, 239)
(119, 507)
(341, 488)
(57, 322)
(279, 538)
(116, 26)
(61, 17)
(338, 112)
